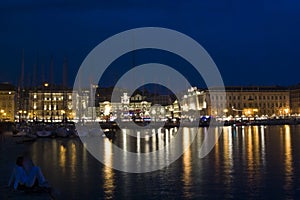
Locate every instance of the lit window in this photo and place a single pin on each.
(34, 96)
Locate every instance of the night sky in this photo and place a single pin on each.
(252, 42)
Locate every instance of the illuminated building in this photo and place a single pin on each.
(7, 102)
(193, 103)
(50, 103)
(126, 108)
(250, 101)
(295, 99)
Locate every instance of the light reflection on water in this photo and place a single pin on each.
(288, 159)
(246, 162)
(108, 173)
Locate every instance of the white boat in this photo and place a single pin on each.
(44, 133)
(20, 134)
(25, 132)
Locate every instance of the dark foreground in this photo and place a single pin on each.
(8, 152)
(251, 162)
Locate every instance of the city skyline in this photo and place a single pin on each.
(252, 44)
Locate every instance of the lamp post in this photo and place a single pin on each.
(286, 111)
(2, 113)
(225, 112)
(255, 111)
(63, 115)
(20, 115)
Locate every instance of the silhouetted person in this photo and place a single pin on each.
(26, 175)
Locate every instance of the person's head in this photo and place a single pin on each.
(19, 161)
(27, 162)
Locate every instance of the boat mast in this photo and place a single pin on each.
(65, 86)
(51, 88)
(20, 88)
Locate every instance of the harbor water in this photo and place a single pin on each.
(247, 162)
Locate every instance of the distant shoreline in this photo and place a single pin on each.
(10, 126)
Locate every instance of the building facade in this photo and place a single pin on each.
(295, 99)
(193, 103)
(49, 103)
(126, 109)
(250, 101)
(7, 102)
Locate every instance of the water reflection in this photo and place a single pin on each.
(73, 156)
(263, 150)
(217, 154)
(245, 163)
(187, 168)
(288, 159)
(228, 162)
(62, 157)
(108, 173)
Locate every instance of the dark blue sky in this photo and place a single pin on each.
(252, 42)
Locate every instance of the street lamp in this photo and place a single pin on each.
(20, 113)
(225, 111)
(2, 113)
(286, 110)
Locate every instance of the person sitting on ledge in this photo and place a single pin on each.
(26, 175)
